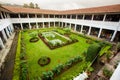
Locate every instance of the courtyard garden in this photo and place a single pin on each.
(55, 54)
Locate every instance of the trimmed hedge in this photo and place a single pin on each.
(49, 75)
(92, 51)
(16, 72)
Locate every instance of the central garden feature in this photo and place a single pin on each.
(38, 62)
(55, 40)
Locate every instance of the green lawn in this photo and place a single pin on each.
(60, 55)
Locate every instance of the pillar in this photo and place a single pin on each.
(70, 25)
(29, 26)
(21, 26)
(115, 32)
(99, 32)
(1, 43)
(81, 28)
(104, 17)
(65, 24)
(75, 27)
(62, 24)
(1, 16)
(4, 35)
(49, 24)
(43, 25)
(7, 32)
(89, 30)
(37, 25)
(59, 23)
(54, 24)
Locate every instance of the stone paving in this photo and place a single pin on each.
(5, 51)
(110, 65)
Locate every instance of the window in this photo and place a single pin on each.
(13, 15)
(88, 17)
(80, 17)
(39, 16)
(98, 17)
(23, 15)
(112, 17)
(31, 15)
(73, 16)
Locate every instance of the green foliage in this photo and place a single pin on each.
(92, 52)
(33, 34)
(107, 73)
(89, 41)
(104, 50)
(16, 72)
(36, 6)
(47, 75)
(31, 5)
(118, 46)
(26, 5)
(57, 69)
(23, 65)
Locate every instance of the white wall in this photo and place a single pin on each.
(4, 23)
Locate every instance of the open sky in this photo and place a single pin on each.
(64, 4)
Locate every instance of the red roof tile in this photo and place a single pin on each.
(103, 9)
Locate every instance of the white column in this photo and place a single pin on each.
(99, 32)
(75, 27)
(76, 16)
(1, 15)
(83, 16)
(30, 26)
(4, 35)
(21, 26)
(81, 29)
(49, 24)
(27, 15)
(19, 15)
(1, 43)
(62, 24)
(54, 24)
(92, 16)
(70, 25)
(10, 31)
(89, 30)
(4, 14)
(7, 32)
(37, 25)
(104, 17)
(65, 24)
(43, 25)
(59, 23)
(115, 32)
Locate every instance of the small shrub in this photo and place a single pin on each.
(47, 75)
(89, 41)
(118, 47)
(107, 73)
(44, 61)
(34, 39)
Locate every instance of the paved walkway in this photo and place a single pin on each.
(5, 51)
(111, 64)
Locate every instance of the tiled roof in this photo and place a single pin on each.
(29, 10)
(103, 9)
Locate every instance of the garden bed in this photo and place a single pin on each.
(67, 41)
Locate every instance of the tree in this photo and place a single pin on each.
(31, 5)
(36, 6)
(26, 5)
